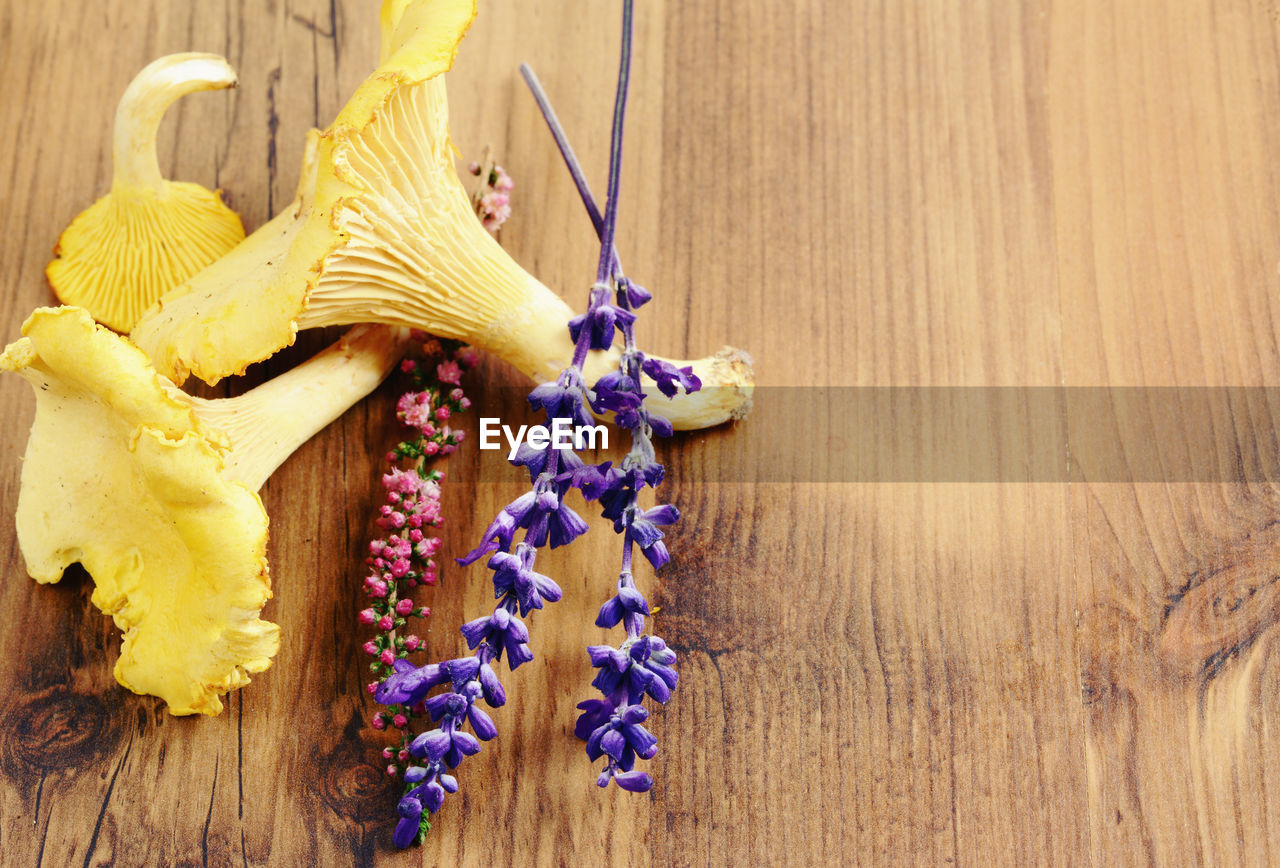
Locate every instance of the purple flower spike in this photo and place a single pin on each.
(634, 782)
(627, 601)
(669, 378)
(407, 828)
(567, 398)
(514, 574)
(632, 294)
(409, 684)
(431, 746)
(600, 320)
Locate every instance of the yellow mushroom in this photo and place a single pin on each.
(154, 492)
(387, 234)
(147, 235)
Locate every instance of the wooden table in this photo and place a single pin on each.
(863, 194)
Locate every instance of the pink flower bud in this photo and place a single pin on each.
(442, 414)
(370, 648)
(385, 623)
(400, 721)
(403, 755)
(388, 753)
(459, 436)
(378, 722)
(431, 449)
(415, 535)
(449, 372)
(455, 395)
(391, 771)
(412, 643)
(387, 657)
(464, 403)
(408, 365)
(404, 607)
(424, 612)
(367, 616)
(399, 567)
(372, 688)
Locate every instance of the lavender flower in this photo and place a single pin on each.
(642, 665)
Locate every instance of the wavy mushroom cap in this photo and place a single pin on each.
(120, 476)
(148, 234)
(132, 246)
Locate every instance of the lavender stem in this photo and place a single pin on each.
(615, 148)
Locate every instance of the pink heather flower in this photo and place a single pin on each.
(455, 395)
(399, 568)
(449, 372)
(378, 722)
(387, 657)
(412, 643)
(424, 612)
(379, 590)
(370, 648)
(368, 616)
(404, 607)
(400, 721)
(431, 449)
(464, 403)
(442, 414)
(388, 753)
(403, 755)
(415, 535)
(372, 688)
(385, 623)
(414, 409)
(401, 482)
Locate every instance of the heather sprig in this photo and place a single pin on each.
(492, 197)
(403, 557)
(642, 665)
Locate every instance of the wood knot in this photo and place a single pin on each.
(353, 787)
(1224, 608)
(58, 729)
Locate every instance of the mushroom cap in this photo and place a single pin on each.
(245, 307)
(120, 476)
(147, 235)
(133, 245)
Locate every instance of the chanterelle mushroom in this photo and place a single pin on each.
(388, 235)
(153, 491)
(148, 234)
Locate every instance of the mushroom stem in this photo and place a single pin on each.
(143, 106)
(267, 424)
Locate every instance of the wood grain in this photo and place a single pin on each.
(869, 193)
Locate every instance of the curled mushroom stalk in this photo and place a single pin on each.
(148, 234)
(385, 232)
(154, 493)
